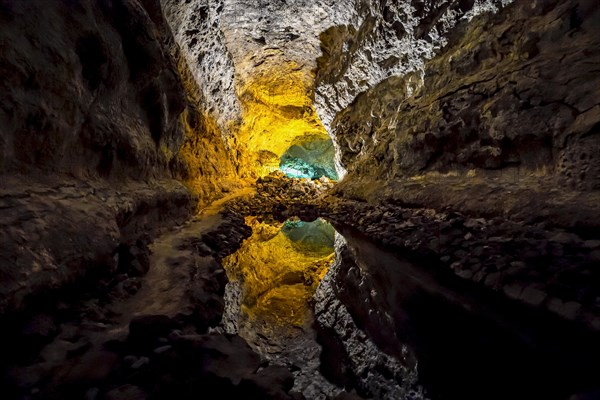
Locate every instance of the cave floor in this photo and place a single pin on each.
(138, 328)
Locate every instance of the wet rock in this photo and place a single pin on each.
(134, 260)
(92, 394)
(86, 371)
(513, 291)
(30, 376)
(227, 357)
(591, 244)
(215, 363)
(565, 238)
(140, 362)
(533, 296)
(162, 349)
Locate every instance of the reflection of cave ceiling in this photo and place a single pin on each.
(280, 267)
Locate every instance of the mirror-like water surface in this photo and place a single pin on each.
(272, 280)
(342, 312)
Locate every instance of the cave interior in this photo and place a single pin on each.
(300, 199)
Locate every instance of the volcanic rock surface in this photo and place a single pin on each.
(465, 134)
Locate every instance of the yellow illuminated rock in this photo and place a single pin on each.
(280, 270)
(278, 113)
(204, 162)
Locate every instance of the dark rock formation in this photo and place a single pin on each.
(543, 267)
(381, 318)
(91, 90)
(92, 137)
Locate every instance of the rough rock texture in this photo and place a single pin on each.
(79, 342)
(509, 89)
(57, 231)
(531, 262)
(95, 125)
(388, 39)
(255, 63)
(89, 90)
(205, 162)
(281, 198)
(197, 29)
(350, 357)
(385, 39)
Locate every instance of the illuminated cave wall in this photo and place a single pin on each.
(255, 63)
(204, 162)
(99, 124)
(277, 113)
(401, 87)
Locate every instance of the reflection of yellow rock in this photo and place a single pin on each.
(278, 278)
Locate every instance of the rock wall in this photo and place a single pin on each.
(196, 27)
(98, 128)
(381, 319)
(255, 64)
(420, 87)
(89, 90)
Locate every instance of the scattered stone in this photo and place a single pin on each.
(126, 392)
(591, 244)
(162, 349)
(568, 309)
(533, 296)
(513, 290)
(465, 274)
(140, 362)
(492, 279)
(565, 238)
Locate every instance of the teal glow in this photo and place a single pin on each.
(293, 172)
(311, 160)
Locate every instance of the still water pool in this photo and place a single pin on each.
(342, 312)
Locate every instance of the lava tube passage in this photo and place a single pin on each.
(312, 158)
(280, 127)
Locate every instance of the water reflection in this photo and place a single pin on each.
(386, 326)
(465, 343)
(276, 272)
